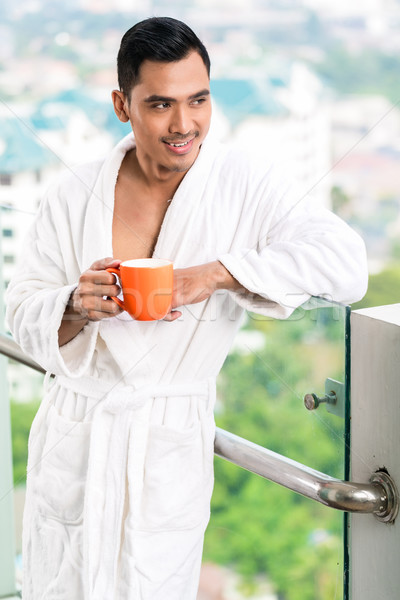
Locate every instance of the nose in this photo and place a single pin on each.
(180, 120)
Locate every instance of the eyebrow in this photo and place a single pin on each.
(156, 98)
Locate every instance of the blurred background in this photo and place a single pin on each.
(315, 85)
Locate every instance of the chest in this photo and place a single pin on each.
(137, 221)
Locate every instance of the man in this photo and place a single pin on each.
(120, 453)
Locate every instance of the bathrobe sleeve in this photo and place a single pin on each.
(300, 251)
(46, 274)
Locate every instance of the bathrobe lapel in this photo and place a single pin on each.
(121, 332)
(180, 233)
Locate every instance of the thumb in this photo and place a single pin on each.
(104, 263)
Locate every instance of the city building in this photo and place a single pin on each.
(283, 117)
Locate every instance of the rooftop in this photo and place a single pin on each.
(20, 147)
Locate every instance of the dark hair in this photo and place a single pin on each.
(161, 39)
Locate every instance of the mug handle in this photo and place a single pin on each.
(116, 271)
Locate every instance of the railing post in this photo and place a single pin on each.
(7, 535)
(375, 444)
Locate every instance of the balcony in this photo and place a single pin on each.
(282, 541)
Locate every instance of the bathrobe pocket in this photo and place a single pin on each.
(178, 478)
(59, 482)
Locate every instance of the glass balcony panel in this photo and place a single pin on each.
(25, 387)
(275, 539)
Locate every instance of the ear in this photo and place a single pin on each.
(120, 105)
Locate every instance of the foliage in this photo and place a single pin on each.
(369, 72)
(340, 201)
(383, 288)
(21, 419)
(395, 250)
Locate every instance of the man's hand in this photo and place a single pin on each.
(89, 300)
(96, 284)
(195, 284)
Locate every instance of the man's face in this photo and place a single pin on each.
(170, 112)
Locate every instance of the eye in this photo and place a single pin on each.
(198, 101)
(162, 105)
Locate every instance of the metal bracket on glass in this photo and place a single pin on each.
(334, 398)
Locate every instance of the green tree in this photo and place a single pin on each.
(365, 72)
(340, 201)
(383, 288)
(22, 415)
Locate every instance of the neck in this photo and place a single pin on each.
(161, 186)
(158, 180)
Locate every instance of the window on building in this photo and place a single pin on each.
(8, 233)
(5, 179)
(8, 259)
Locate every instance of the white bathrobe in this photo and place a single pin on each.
(120, 469)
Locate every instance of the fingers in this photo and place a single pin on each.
(95, 308)
(91, 299)
(94, 277)
(104, 263)
(88, 286)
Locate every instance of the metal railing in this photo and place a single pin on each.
(378, 497)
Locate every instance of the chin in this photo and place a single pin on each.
(180, 166)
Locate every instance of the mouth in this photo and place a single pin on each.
(180, 147)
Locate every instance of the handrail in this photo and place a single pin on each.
(378, 497)
(10, 348)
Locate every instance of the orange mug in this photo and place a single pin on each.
(147, 285)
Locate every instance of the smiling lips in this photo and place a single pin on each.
(180, 147)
